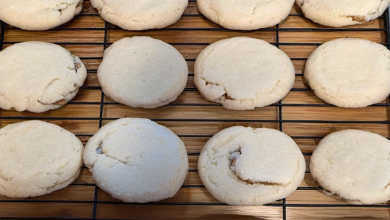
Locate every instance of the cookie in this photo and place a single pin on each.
(140, 15)
(142, 72)
(37, 158)
(39, 15)
(349, 72)
(244, 14)
(38, 76)
(137, 160)
(353, 164)
(242, 73)
(246, 166)
(340, 13)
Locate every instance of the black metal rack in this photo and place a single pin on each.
(280, 105)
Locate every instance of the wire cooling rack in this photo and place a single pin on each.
(301, 115)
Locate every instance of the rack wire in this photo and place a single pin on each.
(91, 110)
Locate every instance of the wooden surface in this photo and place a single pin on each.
(300, 114)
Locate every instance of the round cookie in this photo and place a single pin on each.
(142, 72)
(353, 164)
(137, 160)
(339, 13)
(245, 166)
(39, 15)
(140, 15)
(245, 14)
(38, 76)
(349, 72)
(37, 158)
(242, 73)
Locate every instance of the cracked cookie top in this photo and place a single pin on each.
(245, 14)
(37, 158)
(246, 166)
(38, 76)
(349, 72)
(39, 15)
(355, 165)
(137, 160)
(142, 72)
(242, 73)
(140, 14)
(339, 13)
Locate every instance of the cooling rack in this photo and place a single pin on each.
(300, 114)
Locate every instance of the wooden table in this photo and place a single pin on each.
(300, 114)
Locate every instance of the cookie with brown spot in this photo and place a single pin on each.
(246, 166)
(243, 73)
(38, 15)
(38, 76)
(340, 13)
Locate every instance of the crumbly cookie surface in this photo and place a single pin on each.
(245, 166)
(242, 73)
(245, 14)
(349, 72)
(37, 158)
(142, 72)
(140, 14)
(355, 165)
(339, 13)
(39, 15)
(137, 160)
(38, 76)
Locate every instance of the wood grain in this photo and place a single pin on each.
(324, 36)
(337, 213)
(70, 193)
(303, 116)
(187, 212)
(45, 210)
(190, 113)
(192, 36)
(323, 129)
(315, 197)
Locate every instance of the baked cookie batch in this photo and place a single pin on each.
(138, 160)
